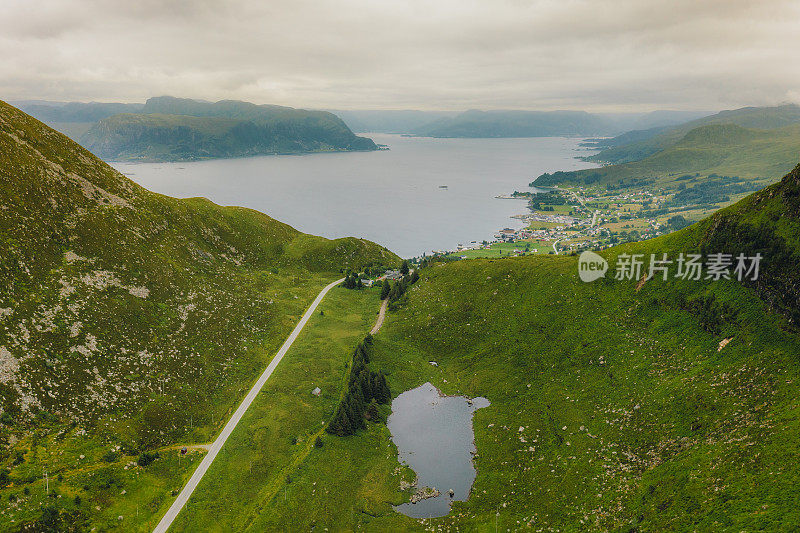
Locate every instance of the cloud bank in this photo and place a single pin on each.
(613, 55)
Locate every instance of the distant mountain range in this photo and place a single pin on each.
(72, 112)
(511, 123)
(75, 119)
(390, 121)
(518, 124)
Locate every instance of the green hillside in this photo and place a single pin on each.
(725, 149)
(614, 405)
(174, 129)
(637, 145)
(131, 321)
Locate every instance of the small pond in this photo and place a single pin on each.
(433, 435)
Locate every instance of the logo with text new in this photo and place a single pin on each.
(591, 266)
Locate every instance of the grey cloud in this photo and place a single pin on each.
(602, 55)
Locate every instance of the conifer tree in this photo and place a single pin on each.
(366, 385)
(375, 385)
(383, 394)
(363, 354)
(352, 416)
(357, 408)
(385, 288)
(395, 293)
(372, 412)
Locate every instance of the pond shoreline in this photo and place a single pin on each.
(434, 436)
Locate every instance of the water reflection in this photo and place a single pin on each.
(433, 435)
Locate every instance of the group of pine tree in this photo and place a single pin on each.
(392, 291)
(352, 281)
(365, 390)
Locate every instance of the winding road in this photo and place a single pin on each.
(184, 495)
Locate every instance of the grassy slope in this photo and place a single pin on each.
(655, 140)
(724, 149)
(130, 319)
(631, 417)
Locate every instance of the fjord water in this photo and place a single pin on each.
(433, 435)
(392, 197)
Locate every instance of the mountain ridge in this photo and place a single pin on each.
(493, 124)
(720, 148)
(637, 145)
(180, 129)
(167, 128)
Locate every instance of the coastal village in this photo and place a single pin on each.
(573, 219)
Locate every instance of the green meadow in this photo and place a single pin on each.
(506, 249)
(272, 455)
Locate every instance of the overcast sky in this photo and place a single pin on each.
(616, 55)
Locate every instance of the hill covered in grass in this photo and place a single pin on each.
(725, 149)
(176, 129)
(616, 405)
(131, 321)
(639, 144)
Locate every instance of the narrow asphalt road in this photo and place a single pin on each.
(184, 495)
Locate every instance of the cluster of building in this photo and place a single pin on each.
(565, 220)
(388, 275)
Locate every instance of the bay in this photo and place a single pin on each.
(394, 197)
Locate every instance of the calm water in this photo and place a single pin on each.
(433, 435)
(390, 197)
